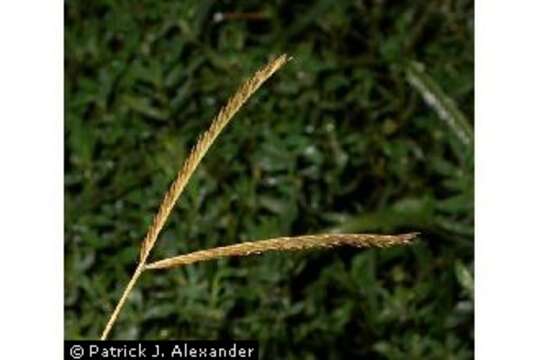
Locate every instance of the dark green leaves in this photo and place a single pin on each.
(341, 141)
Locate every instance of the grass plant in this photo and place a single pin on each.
(201, 147)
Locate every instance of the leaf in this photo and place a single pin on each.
(464, 278)
(143, 106)
(445, 107)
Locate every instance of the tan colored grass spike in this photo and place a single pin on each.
(297, 243)
(203, 144)
(197, 153)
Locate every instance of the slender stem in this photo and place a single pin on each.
(121, 302)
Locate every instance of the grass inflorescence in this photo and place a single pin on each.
(248, 248)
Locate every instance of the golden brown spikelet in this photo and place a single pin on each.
(298, 243)
(203, 144)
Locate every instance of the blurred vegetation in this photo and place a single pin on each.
(338, 140)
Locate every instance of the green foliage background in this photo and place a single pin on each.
(336, 141)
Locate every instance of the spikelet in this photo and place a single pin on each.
(298, 243)
(203, 144)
